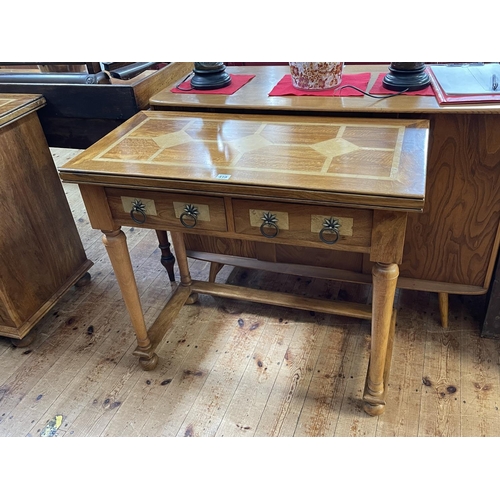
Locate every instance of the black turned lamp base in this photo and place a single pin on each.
(406, 76)
(210, 76)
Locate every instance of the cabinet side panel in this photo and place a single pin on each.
(453, 240)
(40, 248)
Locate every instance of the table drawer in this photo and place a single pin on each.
(160, 210)
(321, 226)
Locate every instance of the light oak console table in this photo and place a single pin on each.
(342, 185)
(451, 247)
(41, 254)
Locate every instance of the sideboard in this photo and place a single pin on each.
(450, 248)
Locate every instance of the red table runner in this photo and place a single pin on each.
(284, 87)
(360, 80)
(237, 81)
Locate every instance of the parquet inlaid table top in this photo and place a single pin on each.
(350, 156)
(310, 181)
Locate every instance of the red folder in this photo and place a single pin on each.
(443, 98)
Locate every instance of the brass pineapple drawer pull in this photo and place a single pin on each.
(138, 212)
(269, 228)
(189, 217)
(330, 232)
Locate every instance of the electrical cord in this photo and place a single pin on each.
(178, 86)
(371, 95)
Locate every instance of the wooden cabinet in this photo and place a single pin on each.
(41, 254)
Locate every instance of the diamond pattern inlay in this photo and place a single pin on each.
(250, 143)
(335, 147)
(173, 139)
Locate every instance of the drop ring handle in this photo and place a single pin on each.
(330, 226)
(190, 213)
(270, 220)
(139, 208)
(269, 224)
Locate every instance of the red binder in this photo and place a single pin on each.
(443, 98)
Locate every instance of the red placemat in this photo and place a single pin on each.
(379, 89)
(360, 80)
(237, 81)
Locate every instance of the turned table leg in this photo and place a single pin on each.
(384, 288)
(167, 257)
(116, 246)
(182, 262)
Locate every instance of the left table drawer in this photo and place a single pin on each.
(159, 210)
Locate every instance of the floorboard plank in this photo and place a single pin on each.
(480, 381)
(440, 405)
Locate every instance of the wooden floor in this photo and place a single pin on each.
(231, 368)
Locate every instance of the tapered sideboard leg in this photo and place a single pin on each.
(443, 308)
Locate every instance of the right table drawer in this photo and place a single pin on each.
(309, 225)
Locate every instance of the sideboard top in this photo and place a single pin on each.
(254, 97)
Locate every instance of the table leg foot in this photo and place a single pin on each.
(374, 410)
(84, 280)
(192, 299)
(148, 364)
(25, 341)
(373, 403)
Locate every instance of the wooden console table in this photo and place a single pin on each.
(340, 185)
(41, 254)
(450, 247)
